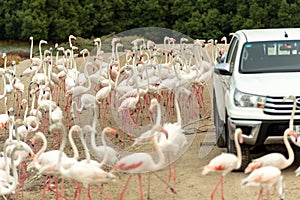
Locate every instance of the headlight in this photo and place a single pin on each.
(248, 100)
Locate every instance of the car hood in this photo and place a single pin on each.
(269, 84)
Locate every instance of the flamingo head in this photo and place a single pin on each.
(153, 103)
(23, 102)
(239, 134)
(72, 37)
(110, 130)
(160, 129)
(293, 134)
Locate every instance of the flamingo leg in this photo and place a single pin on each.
(125, 187)
(260, 194)
(141, 186)
(268, 194)
(212, 195)
(169, 178)
(106, 195)
(222, 190)
(174, 178)
(89, 192)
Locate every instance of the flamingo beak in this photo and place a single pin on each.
(295, 135)
(241, 140)
(31, 155)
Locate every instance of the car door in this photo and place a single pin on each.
(222, 80)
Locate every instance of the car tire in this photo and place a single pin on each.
(220, 127)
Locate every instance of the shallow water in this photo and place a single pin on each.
(13, 45)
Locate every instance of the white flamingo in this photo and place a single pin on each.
(225, 163)
(265, 177)
(137, 163)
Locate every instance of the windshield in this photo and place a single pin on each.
(271, 56)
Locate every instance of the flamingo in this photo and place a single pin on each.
(106, 154)
(266, 177)
(275, 159)
(130, 102)
(43, 158)
(29, 71)
(176, 138)
(83, 172)
(9, 186)
(34, 60)
(29, 121)
(18, 157)
(137, 163)
(104, 92)
(225, 163)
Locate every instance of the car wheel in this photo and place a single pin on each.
(220, 128)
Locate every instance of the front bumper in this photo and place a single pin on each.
(259, 132)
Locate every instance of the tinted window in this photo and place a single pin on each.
(274, 56)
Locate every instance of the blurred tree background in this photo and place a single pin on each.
(55, 20)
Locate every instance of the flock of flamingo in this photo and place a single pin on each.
(60, 100)
(162, 85)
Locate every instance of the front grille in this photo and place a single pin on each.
(276, 106)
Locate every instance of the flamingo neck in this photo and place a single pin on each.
(293, 113)
(4, 90)
(158, 117)
(86, 151)
(238, 149)
(41, 151)
(177, 110)
(31, 49)
(13, 186)
(161, 157)
(26, 111)
(105, 157)
(74, 147)
(290, 151)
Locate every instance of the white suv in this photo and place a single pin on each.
(262, 66)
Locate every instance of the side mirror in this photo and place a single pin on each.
(222, 68)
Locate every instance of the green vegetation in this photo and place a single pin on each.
(55, 20)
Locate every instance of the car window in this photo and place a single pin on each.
(230, 50)
(270, 56)
(231, 55)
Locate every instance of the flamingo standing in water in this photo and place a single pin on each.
(225, 163)
(137, 163)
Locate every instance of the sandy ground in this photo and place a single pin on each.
(189, 185)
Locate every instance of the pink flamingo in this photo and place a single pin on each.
(83, 172)
(275, 159)
(7, 183)
(225, 163)
(137, 163)
(266, 177)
